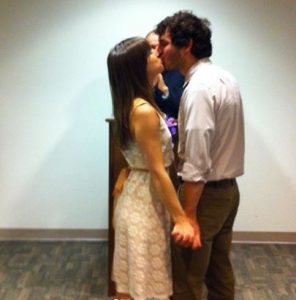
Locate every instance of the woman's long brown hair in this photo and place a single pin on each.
(127, 69)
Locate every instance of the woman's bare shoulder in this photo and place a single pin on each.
(142, 108)
(144, 117)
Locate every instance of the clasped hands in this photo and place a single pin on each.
(187, 234)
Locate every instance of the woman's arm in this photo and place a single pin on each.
(146, 130)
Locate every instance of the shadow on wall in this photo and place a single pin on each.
(266, 187)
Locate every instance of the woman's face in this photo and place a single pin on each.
(154, 67)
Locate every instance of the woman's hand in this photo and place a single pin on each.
(161, 84)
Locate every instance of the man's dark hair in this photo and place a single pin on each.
(184, 26)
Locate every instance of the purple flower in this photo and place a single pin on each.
(172, 125)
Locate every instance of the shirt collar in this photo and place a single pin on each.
(194, 68)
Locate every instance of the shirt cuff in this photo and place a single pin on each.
(189, 173)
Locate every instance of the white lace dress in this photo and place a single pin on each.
(141, 262)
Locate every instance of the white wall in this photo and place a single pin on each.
(54, 98)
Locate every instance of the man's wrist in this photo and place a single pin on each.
(190, 213)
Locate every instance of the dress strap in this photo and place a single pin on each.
(139, 101)
(139, 169)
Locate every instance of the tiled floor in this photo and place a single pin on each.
(78, 270)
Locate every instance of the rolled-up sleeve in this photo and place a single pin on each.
(197, 127)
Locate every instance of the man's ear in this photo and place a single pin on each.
(185, 50)
(188, 47)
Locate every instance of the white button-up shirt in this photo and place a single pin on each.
(211, 125)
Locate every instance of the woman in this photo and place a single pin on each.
(141, 263)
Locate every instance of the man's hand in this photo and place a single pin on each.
(197, 240)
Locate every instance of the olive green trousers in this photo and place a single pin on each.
(209, 265)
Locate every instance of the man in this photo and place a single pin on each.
(211, 152)
(169, 87)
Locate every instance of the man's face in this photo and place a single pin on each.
(169, 54)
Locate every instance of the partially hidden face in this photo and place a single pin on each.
(152, 40)
(169, 54)
(154, 66)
